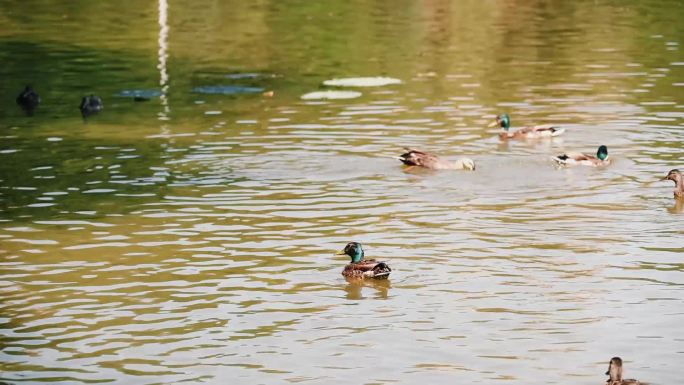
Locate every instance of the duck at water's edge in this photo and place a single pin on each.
(28, 100)
(676, 176)
(363, 268)
(433, 162)
(614, 373)
(581, 159)
(534, 132)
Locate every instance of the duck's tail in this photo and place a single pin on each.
(555, 131)
(561, 159)
(381, 270)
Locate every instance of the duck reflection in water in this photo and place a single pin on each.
(678, 207)
(355, 286)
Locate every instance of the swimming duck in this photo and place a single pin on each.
(534, 132)
(28, 100)
(615, 373)
(363, 268)
(676, 176)
(578, 158)
(90, 105)
(433, 162)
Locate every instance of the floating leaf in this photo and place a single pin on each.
(332, 94)
(362, 82)
(227, 90)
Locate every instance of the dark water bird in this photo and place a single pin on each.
(676, 176)
(534, 132)
(360, 267)
(90, 105)
(433, 162)
(28, 100)
(582, 159)
(614, 373)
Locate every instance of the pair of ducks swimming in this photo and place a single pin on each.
(430, 161)
(29, 100)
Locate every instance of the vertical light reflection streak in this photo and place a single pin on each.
(163, 56)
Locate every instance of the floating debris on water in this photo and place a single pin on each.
(332, 94)
(227, 90)
(377, 81)
(139, 95)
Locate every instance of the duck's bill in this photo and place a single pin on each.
(663, 178)
(341, 252)
(493, 124)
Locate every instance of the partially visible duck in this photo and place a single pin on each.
(363, 268)
(581, 159)
(90, 105)
(615, 373)
(676, 176)
(534, 132)
(433, 162)
(28, 100)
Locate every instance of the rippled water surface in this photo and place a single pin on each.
(191, 238)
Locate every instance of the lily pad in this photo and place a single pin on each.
(332, 94)
(144, 94)
(227, 90)
(377, 81)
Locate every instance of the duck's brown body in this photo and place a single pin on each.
(367, 268)
(615, 374)
(425, 159)
(535, 132)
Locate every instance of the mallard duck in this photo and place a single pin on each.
(676, 176)
(28, 100)
(363, 268)
(431, 161)
(90, 105)
(534, 132)
(578, 158)
(615, 373)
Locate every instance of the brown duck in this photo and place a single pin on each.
(676, 176)
(582, 159)
(615, 374)
(534, 132)
(363, 268)
(425, 159)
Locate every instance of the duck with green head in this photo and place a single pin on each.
(676, 176)
(360, 267)
(431, 161)
(534, 132)
(582, 159)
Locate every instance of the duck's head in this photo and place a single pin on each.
(467, 164)
(615, 369)
(503, 121)
(354, 250)
(674, 175)
(602, 152)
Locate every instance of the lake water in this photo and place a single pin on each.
(191, 238)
